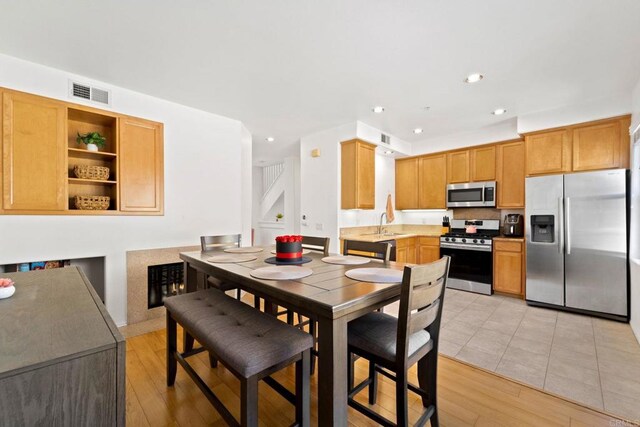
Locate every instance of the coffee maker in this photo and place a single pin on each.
(513, 225)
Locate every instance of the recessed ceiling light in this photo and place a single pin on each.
(270, 139)
(499, 111)
(388, 152)
(474, 78)
(426, 108)
(378, 109)
(417, 131)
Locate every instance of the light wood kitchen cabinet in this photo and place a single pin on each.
(483, 163)
(548, 152)
(407, 183)
(34, 144)
(508, 266)
(604, 145)
(432, 182)
(358, 175)
(458, 167)
(406, 250)
(40, 152)
(428, 249)
(510, 175)
(141, 165)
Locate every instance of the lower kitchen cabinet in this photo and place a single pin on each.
(508, 266)
(428, 249)
(406, 250)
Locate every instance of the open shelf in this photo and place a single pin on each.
(86, 154)
(90, 181)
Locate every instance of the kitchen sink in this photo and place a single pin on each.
(384, 234)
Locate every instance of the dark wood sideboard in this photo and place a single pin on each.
(62, 359)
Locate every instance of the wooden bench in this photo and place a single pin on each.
(251, 344)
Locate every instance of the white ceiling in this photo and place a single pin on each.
(288, 68)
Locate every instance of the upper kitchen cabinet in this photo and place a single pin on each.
(141, 165)
(483, 163)
(601, 145)
(45, 171)
(548, 152)
(432, 182)
(407, 183)
(510, 175)
(358, 182)
(34, 145)
(458, 167)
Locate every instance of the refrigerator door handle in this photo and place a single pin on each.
(568, 224)
(560, 225)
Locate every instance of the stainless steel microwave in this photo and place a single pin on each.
(472, 195)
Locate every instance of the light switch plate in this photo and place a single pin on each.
(318, 226)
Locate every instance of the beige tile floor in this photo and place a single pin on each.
(589, 360)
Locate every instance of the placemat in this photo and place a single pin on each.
(249, 250)
(223, 258)
(281, 272)
(346, 260)
(375, 275)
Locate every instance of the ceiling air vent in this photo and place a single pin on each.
(385, 139)
(89, 93)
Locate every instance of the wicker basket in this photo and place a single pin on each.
(92, 203)
(91, 172)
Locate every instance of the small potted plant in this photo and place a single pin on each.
(92, 140)
(279, 217)
(6, 288)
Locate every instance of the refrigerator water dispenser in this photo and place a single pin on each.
(542, 228)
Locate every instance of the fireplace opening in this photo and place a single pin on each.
(164, 280)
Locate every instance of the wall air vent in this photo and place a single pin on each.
(385, 139)
(89, 93)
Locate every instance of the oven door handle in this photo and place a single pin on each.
(466, 248)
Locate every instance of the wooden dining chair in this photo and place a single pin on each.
(219, 244)
(392, 345)
(316, 244)
(375, 250)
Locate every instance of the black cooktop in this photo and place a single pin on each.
(485, 234)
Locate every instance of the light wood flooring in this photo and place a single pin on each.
(467, 396)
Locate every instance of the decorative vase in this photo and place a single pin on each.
(92, 147)
(7, 292)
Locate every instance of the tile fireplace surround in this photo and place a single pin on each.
(137, 289)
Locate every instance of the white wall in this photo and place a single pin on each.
(246, 193)
(601, 108)
(205, 173)
(635, 219)
(320, 182)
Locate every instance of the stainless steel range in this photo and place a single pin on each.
(470, 244)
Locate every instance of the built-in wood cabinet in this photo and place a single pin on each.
(432, 182)
(509, 266)
(428, 249)
(40, 152)
(548, 152)
(458, 167)
(358, 175)
(601, 146)
(407, 183)
(510, 175)
(406, 250)
(482, 163)
(33, 153)
(141, 165)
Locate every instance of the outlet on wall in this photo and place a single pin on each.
(318, 226)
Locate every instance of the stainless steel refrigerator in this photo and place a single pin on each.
(577, 242)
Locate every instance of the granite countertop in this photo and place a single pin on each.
(517, 239)
(393, 232)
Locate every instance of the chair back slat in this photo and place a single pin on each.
(374, 250)
(421, 299)
(219, 243)
(423, 318)
(316, 244)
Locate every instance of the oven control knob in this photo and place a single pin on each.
(446, 239)
(482, 241)
(453, 239)
(464, 240)
(475, 240)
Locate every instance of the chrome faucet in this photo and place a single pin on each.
(380, 226)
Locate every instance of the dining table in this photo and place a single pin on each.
(326, 296)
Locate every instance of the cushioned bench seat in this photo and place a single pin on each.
(251, 344)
